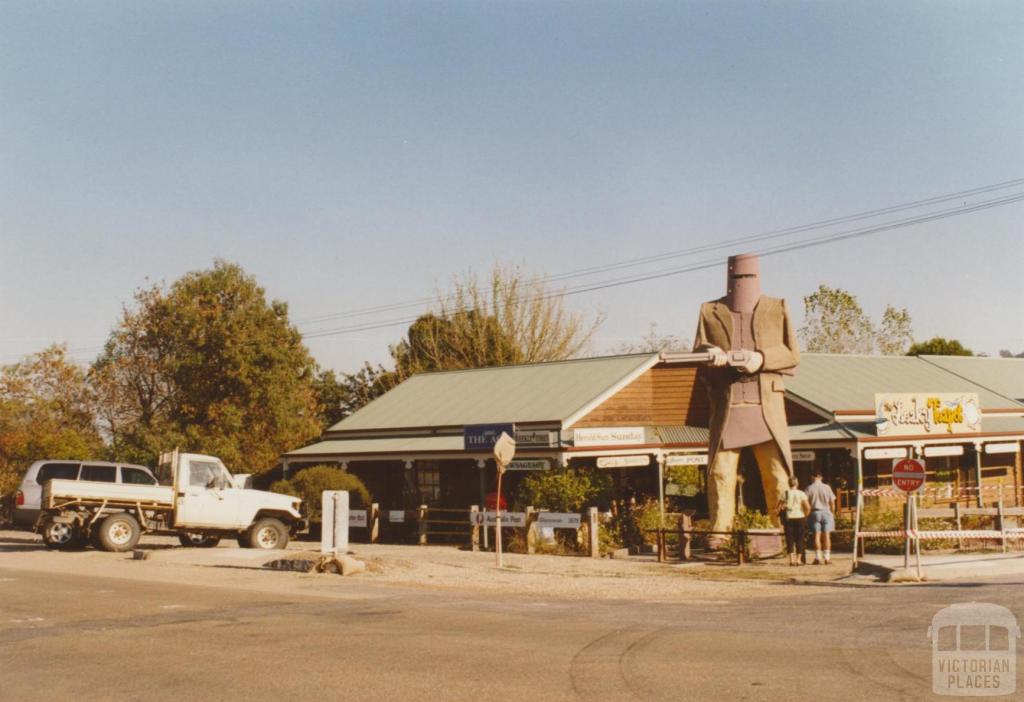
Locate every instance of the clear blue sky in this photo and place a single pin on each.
(350, 154)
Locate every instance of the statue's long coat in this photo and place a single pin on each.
(775, 340)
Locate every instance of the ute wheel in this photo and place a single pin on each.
(61, 535)
(243, 540)
(267, 533)
(119, 533)
(191, 538)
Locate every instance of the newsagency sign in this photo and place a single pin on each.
(907, 414)
(482, 437)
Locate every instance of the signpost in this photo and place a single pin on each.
(504, 452)
(908, 475)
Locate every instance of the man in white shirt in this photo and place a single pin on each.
(822, 520)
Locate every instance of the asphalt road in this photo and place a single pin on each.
(83, 638)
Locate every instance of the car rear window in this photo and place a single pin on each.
(136, 476)
(102, 474)
(57, 471)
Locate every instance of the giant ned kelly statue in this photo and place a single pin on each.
(751, 341)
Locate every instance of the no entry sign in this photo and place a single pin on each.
(908, 474)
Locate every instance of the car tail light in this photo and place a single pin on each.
(19, 499)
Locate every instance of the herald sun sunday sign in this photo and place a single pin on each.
(907, 414)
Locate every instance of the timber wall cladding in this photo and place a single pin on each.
(661, 396)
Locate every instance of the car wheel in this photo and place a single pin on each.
(119, 533)
(191, 538)
(268, 533)
(61, 535)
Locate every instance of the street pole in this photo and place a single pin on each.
(497, 517)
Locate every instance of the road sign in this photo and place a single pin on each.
(504, 450)
(908, 474)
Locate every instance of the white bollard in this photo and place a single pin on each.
(334, 532)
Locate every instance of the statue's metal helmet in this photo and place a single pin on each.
(743, 287)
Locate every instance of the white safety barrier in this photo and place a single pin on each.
(334, 529)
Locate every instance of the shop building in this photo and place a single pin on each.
(637, 416)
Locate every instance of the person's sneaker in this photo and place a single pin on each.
(817, 562)
(828, 562)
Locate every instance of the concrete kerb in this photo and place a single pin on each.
(943, 567)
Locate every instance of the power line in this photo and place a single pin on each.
(703, 248)
(769, 251)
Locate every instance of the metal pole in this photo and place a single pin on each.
(497, 518)
(906, 533)
(917, 539)
(977, 470)
(661, 491)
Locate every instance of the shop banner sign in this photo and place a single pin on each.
(396, 516)
(807, 456)
(1008, 447)
(909, 414)
(559, 520)
(609, 436)
(623, 461)
(357, 517)
(483, 437)
(692, 459)
(529, 464)
(508, 519)
(536, 437)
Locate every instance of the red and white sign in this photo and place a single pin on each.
(908, 474)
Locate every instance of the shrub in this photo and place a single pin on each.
(688, 478)
(566, 490)
(311, 482)
(746, 519)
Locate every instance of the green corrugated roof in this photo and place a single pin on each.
(848, 382)
(1002, 375)
(538, 392)
(348, 447)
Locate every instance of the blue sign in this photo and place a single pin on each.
(482, 437)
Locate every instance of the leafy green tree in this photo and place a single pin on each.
(509, 318)
(835, 323)
(209, 365)
(938, 346)
(46, 411)
(895, 333)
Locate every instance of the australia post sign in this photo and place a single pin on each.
(482, 437)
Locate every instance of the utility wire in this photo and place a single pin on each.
(768, 251)
(703, 248)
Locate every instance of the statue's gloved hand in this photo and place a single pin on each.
(753, 363)
(719, 357)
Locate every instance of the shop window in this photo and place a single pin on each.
(428, 482)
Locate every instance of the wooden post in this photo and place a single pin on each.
(474, 530)
(373, 522)
(857, 541)
(685, 537)
(1002, 522)
(531, 530)
(423, 525)
(595, 544)
(660, 541)
(741, 545)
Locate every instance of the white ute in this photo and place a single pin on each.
(201, 505)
